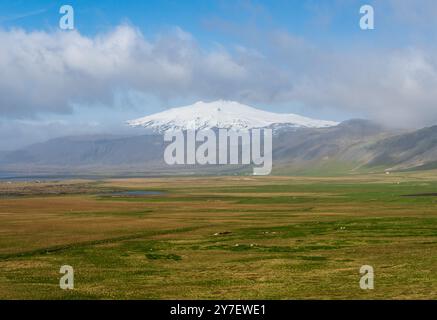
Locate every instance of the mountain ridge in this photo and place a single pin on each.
(352, 146)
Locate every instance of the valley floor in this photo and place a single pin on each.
(221, 237)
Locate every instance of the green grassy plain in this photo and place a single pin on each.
(221, 237)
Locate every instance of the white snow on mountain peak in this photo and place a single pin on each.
(223, 114)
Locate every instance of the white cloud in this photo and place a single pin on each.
(48, 72)
(45, 72)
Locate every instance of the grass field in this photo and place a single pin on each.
(221, 237)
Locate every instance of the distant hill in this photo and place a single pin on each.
(89, 150)
(413, 150)
(351, 146)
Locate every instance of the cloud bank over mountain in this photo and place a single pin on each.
(49, 72)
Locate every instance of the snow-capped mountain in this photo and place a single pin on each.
(223, 114)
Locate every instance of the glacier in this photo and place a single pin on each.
(223, 114)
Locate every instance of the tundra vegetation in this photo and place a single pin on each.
(266, 237)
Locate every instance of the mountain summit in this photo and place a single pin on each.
(223, 114)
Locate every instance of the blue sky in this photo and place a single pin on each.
(127, 59)
(328, 21)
